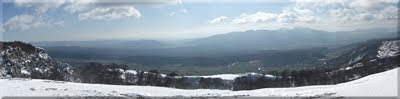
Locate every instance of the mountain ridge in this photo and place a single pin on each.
(244, 42)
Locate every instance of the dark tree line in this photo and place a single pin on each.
(318, 76)
(115, 74)
(100, 73)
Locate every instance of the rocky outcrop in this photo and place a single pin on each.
(22, 60)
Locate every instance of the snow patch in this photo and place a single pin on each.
(352, 67)
(389, 49)
(131, 72)
(230, 76)
(222, 76)
(127, 72)
(358, 58)
(23, 71)
(43, 55)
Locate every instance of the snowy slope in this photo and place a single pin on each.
(381, 84)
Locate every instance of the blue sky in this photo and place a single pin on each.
(60, 20)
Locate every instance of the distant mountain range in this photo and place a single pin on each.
(127, 44)
(247, 42)
(287, 39)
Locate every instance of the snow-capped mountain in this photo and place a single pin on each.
(22, 60)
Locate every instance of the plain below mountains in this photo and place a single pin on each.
(233, 43)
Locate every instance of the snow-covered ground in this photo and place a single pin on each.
(381, 84)
(230, 76)
(222, 76)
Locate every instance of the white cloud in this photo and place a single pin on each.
(2, 29)
(78, 5)
(85, 9)
(349, 11)
(172, 13)
(286, 16)
(235, 1)
(184, 11)
(218, 19)
(111, 10)
(181, 11)
(82, 5)
(103, 10)
(254, 18)
(373, 5)
(40, 7)
(95, 9)
(26, 22)
(110, 13)
(141, 1)
(59, 24)
(23, 22)
(328, 12)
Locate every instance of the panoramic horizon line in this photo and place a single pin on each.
(154, 39)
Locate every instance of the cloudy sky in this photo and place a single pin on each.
(47, 20)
